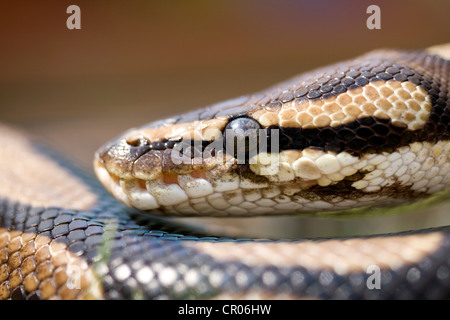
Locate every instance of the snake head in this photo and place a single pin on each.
(171, 164)
(370, 131)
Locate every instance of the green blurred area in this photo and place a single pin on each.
(137, 61)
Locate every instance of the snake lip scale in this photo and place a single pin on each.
(370, 131)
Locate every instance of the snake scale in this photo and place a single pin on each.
(365, 132)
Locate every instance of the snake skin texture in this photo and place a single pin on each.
(78, 242)
(157, 264)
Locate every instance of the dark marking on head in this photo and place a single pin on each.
(365, 135)
(345, 190)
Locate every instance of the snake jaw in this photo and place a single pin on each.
(306, 180)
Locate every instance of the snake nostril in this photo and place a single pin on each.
(137, 141)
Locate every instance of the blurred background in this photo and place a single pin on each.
(137, 61)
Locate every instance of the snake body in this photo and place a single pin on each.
(370, 131)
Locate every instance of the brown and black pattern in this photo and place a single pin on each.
(143, 250)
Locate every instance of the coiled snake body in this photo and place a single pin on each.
(369, 131)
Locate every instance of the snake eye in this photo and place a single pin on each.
(241, 138)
